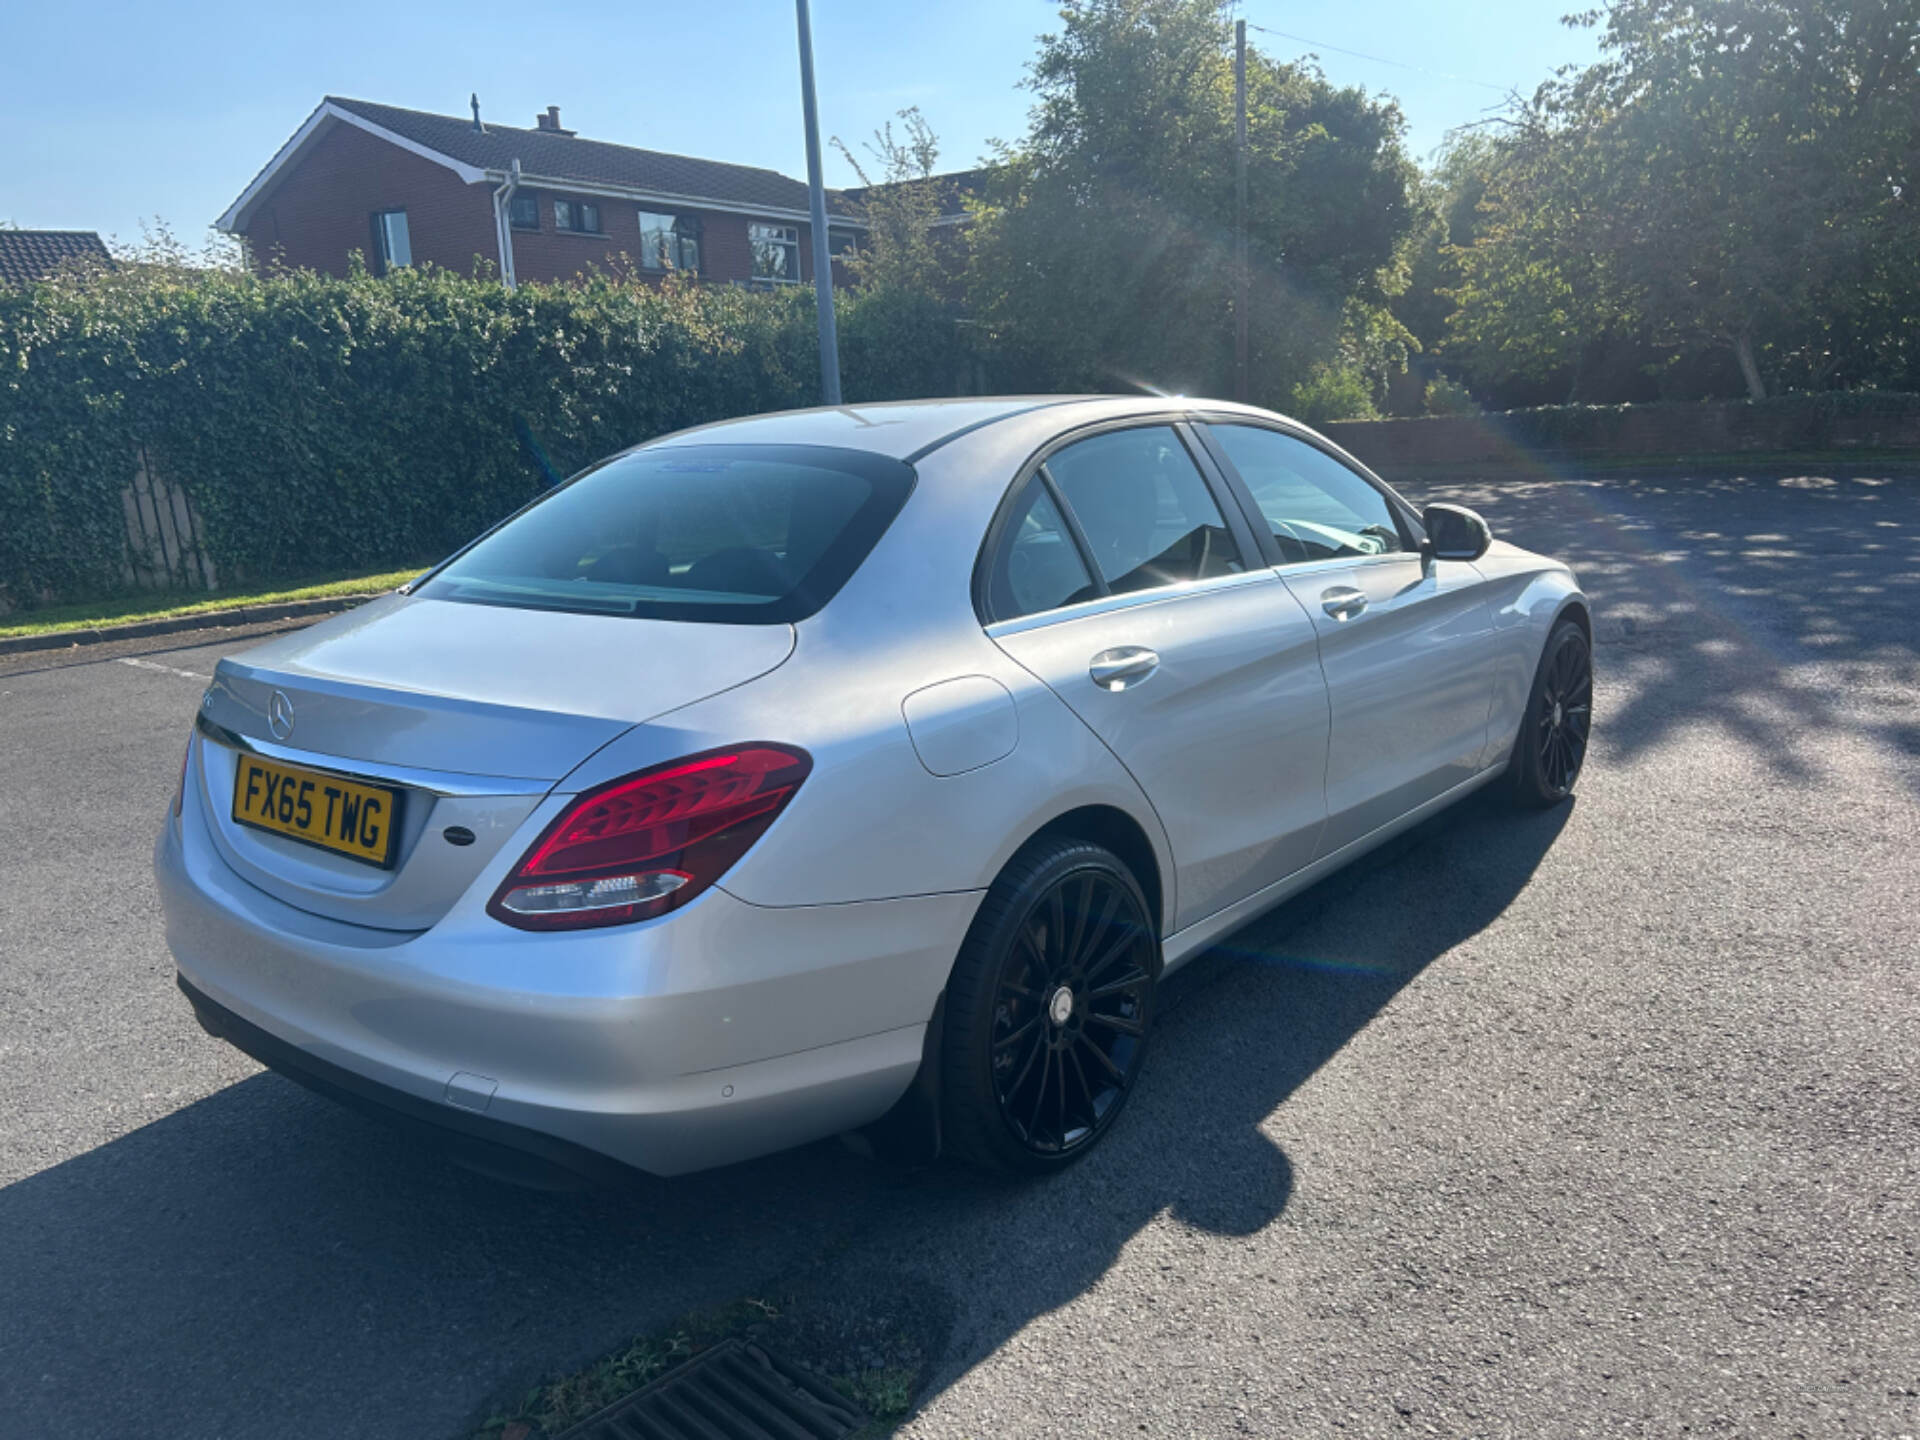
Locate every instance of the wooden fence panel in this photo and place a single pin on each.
(166, 544)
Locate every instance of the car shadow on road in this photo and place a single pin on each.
(1773, 606)
(262, 1263)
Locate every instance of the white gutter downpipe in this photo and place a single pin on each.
(503, 223)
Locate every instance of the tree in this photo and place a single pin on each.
(1103, 251)
(1451, 194)
(1731, 173)
(899, 250)
(1532, 294)
(900, 331)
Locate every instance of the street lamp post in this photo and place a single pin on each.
(1240, 297)
(817, 205)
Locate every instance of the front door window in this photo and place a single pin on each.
(1316, 507)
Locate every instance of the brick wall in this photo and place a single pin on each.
(1784, 424)
(324, 208)
(551, 254)
(724, 251)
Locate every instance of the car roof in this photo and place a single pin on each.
(907, 429)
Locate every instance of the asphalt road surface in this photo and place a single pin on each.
(1605, 1120)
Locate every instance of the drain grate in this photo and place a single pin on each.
(733, 1391)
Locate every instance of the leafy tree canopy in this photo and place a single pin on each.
(1103, 256)
(1731, 174)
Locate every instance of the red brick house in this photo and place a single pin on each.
(404, 187)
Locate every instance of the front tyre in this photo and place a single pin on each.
(1048, 1009)
(1552, 745)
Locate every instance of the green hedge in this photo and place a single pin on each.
(322, 424)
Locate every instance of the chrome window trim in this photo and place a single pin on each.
(1133, 599)
(1343, 562)
(443, 783)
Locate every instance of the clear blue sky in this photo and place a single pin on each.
(116, 112)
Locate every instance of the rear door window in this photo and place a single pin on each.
(1036, 565)
(745, 534)
(1145, 509)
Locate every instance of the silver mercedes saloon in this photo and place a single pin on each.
(855, 769)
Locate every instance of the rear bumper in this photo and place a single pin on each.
(717, 1033)
(509, 1151)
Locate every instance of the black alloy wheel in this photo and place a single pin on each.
(1552, 744)
(1049, 1008)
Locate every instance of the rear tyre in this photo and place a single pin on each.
(1048, 1009)
(1552, 744)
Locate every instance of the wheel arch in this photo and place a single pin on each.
(1114, 829)
(1575, 608)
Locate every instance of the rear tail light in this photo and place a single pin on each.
(642, 846)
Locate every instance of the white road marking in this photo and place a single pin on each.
(165, 669)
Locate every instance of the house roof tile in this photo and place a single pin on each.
(563, 158)
(589, 162)
(29, 255)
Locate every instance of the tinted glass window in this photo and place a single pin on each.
(669, 242)
(775, 251)
(395, 245)
(1147, 513)
(740, 533)
(1035, 565)
(579, 215)
(1318, 509)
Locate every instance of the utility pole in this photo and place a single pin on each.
(1239, 210)
(817, 208)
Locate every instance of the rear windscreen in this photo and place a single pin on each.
(747, 534)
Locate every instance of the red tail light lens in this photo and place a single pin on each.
(642, 846)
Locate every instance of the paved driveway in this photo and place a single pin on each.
(1604, 1120)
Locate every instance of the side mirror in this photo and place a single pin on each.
(1454, 533)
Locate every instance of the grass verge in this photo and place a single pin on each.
(165, 605)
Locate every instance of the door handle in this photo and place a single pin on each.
(1122, 667)
(1343, 602)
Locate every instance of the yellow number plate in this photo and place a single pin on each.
(324, 810)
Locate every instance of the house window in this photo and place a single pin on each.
(580, 216)
(390, 239)
(523, 210)
(842, 244)
(669, 242)
(776, 252)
